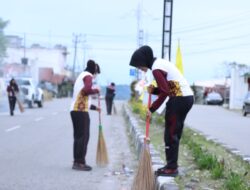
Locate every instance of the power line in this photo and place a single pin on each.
(210, 24)
(218, 49)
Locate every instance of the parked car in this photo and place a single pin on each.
(29, 92)
(246, 105)
(213, 98)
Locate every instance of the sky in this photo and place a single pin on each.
(210, 33)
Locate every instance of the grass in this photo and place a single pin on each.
(206, 164)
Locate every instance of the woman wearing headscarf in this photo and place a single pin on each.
(81, 103)
(12, 90)
(170, 83)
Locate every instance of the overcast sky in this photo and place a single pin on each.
(210, 32)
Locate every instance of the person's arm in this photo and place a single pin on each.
(163, 89)
(8, 90)
(87, 90)
(93, 107)
(17, 88)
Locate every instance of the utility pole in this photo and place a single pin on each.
(167, 28)
(76, 40)
(24, 60)
(84, 50)
(140, 33)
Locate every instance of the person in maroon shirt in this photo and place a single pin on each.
(172, 84)
(12, 90)
(109, 97)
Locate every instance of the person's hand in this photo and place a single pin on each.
(98, 91)
(150, 89)
(148, 114)
(98, 109)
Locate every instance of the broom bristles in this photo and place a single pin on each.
(101, 155)
(144, 179)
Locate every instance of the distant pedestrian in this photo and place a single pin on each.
(80, 106)
(109, 97)
(12, 91)
(172, 84)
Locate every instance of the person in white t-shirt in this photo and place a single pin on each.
(81, 103)
(170, 83)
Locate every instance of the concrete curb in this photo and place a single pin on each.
(162, 183)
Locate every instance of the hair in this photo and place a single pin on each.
(142, 57)
(91, 66)
(12, 81)
(98, 69)
(112, 84)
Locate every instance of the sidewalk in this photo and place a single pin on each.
(226, 127)
(119, 150)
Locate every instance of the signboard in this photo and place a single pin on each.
(132, 72)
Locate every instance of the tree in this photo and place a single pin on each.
(3, 40)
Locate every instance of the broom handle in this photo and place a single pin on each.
(99, 105)
(148, 117)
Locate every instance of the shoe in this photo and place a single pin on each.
(81, 167)
(167, 172)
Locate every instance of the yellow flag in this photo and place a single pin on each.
(179, 59)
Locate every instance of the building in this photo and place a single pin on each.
(240, 85)
(32, 59)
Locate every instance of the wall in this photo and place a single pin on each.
(38, 57)
(239, 88)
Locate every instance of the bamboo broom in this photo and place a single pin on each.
(20, 105)
(101, 155)
(144, 178)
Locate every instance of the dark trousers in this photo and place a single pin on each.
(176, 112)
(81, 123)
(109, 103)
(12, 103)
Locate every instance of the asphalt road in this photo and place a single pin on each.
(36, 146)
(226, 126)
(36, 150)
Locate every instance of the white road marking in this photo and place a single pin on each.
(12, 128)
(39, 119)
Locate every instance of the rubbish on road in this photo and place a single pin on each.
(126, 170)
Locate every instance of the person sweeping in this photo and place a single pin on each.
(170, 83)
(79, 114)
(12, 90)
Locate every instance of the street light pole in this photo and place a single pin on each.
(167, 28)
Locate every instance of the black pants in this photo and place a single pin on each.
(176, 112)
(109, 103)
(12, 103)
(81, 123)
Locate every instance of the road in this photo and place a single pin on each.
(228, 127)
(36, 150)
(36, 146)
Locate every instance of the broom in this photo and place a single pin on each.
(144, 179)
(114, 108)
(20, 106)
(101, 155)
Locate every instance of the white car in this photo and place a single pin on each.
(214, 98)
(30, 93)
